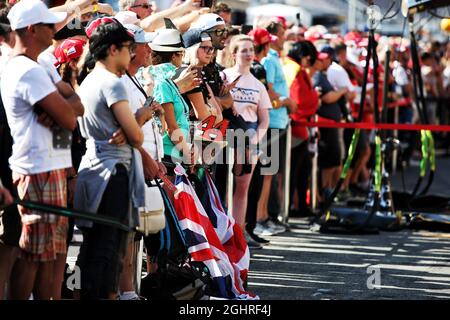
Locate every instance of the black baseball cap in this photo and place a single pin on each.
(72, 29)
(194, 36)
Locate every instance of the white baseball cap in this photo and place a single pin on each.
(30, 12)
(127, 17)
(208, 21)
(140, 36)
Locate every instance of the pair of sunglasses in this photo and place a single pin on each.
(220, 32)
(207, 49)
(144, 5)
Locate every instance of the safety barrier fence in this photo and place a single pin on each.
(380, 126)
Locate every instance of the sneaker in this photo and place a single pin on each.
(129, 295)
(260, 240)
(251, 243)
(276, 229)
(284, 225)
(262, 230)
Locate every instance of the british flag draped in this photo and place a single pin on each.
(217, 242)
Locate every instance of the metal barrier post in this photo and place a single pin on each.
(287, 173)
(314, 168)
(139, 248)
(230, 178)
(313, 191)
(395, 151)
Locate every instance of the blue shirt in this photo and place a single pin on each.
(274, 72)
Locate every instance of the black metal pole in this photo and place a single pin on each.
(384, 109)
(329, 201)
(420, 101)
(72, 213)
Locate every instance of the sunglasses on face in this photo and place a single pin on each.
(144, 6)
(207, 49)
(220, 32)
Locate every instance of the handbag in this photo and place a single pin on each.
(151, 216)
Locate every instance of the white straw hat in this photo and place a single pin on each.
(167, 40)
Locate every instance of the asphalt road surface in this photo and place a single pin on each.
(305, 265)
(406, 264)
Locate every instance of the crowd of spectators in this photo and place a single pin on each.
(96, 102)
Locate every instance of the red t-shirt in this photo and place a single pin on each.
(307, 99)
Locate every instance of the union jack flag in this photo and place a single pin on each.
(218, 243)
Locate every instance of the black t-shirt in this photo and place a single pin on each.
(212, 77)
(258, 71)
(330, 111)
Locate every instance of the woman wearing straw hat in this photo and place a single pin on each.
(167, 56)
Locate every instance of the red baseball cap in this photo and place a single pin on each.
(313, 36)
(281, 20)
(69, 49)
(96, 22)
(261, 36)
(323, 55)
(353, 36)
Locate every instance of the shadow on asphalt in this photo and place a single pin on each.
(305, 265)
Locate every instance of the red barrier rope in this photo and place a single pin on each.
(370, 126)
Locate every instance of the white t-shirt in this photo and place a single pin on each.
(446, 74)
(400, 75)
(153, 142)
(47, 60)
(5, 51)
(429, 79)
(338, 77)
(24, 83)
(249, 94)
